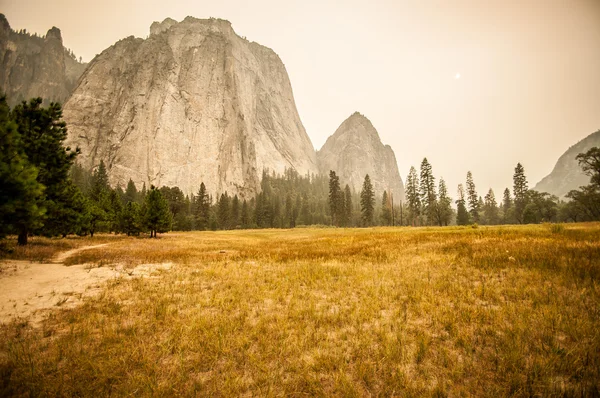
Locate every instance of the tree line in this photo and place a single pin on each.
(425, 206)
(43, 191)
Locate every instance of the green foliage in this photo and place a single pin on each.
(472, 198)
(413, 197)
(156, 214)
(386, 209)
(444, 205)
(462, 216)
(131, 219)
(428, 194)
(520, 193)
(367, 202)
(21, 204)
(336, 199)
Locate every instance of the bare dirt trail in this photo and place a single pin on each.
(30, 290)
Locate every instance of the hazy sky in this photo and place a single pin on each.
(529, 84)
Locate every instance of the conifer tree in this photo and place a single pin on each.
(347, 205)
(131, 193)
(335, 194)
(367, 201)
(490, 208)
(472, 198)
(235, 212)
(42, 134)
(506, 207)
(462, 216)
(21, 205)
(444, 206)
(245, 217)
(428, 194)
(413, 197)
(201, 208)
(386, 209)
(157, 216)
(224, 212)
(131, 222)
(519, 192)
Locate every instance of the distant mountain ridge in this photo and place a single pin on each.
(193, 102)
(567, 173)
(35, 66)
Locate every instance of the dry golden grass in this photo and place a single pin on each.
(498, 311)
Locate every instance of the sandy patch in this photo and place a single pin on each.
(29, 290)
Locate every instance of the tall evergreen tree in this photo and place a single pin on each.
(413, 197)
(520, 192)
(367, 202)
(335, 198)
(42, 134)
(21, 205)
(201, 208)
(131, 222)
(347, 206)
(157, 216)
(506, 207)
(444, 206)
(490, 208)
(472, 198)
(131, 193)
(428, 194)
(224, 212)
(245, 217)
(462, 216)
(386, 209)
(100, 186)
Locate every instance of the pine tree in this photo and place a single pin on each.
(413, 197)
(507, 207)
(235, 212)
(42, 134)
(157, 216)
(201, 208)
(245, 215)
(519, 192)
(131, 193)
(428, 194)
(490, 208)
(386, 209)
(224, 212)
(444, 206)
(462, 216)
(21, 205)
(131, 222)
(335, 194)
(347, 206)
(472, 198)
(100, 186)
(367, 202)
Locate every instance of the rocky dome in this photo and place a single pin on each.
(355, 150)
(192, 103)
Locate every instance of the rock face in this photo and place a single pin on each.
(192, 103)
(355, 150)
(567, 173)
(34, 66)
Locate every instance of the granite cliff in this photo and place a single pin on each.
(567, 173)
(192, 103)
(34, 66)
(355, 150)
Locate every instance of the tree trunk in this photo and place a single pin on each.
(22, 239)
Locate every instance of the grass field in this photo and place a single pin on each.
(455, 311)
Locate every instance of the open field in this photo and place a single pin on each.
(455, 311)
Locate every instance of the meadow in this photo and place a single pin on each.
(453, 311)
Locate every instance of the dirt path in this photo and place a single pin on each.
(30, 290)
(61, 257)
